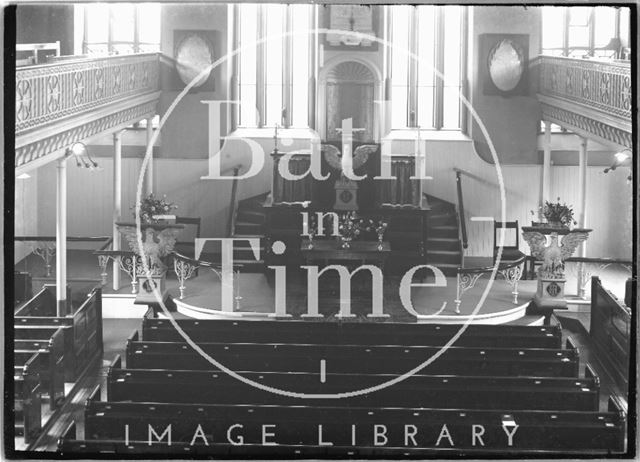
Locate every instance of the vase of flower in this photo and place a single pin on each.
(154, 210)
(345, 242)
(381, 228)
(556, 215)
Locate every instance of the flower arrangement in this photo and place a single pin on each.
(557, 214)
(351, 227)
(151, 206)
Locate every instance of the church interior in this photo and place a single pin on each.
(228, 216)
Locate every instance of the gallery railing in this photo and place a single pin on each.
(50, 92)
(510, 271)
(602, 85)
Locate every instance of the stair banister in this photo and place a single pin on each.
(233, 204)
(461, 216)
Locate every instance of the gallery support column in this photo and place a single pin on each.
(546, 165)
(582, 217)
(61, 238)
(117, 203)
(149, 173)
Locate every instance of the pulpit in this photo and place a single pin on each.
(158, 241)
(551, 277)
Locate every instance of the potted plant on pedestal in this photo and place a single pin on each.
(555, 215)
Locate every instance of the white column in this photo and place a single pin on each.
(61, 238)
(582, 217)
(117, 202)
(546, 165)
(149, 172)
(582, 165)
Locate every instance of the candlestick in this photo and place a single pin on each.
(275, 139)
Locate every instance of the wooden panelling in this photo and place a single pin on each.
(25, 213)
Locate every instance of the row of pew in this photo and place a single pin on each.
(50, 350)
(494, 382)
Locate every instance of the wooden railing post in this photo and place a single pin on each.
(461, 219)
(231, 222)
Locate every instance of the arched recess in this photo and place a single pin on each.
(349, 86)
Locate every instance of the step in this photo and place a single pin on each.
(443, 243)
(442, 220)
(444, 256)
(443, 232)
(18, 430)
(251, 216)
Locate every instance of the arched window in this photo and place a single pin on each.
(435, 35)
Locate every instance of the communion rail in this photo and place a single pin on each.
(45, 246)
(466, 278)
(184, 267)
(584, 268)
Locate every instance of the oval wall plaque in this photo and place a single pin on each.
(193, 55)
(506, 65)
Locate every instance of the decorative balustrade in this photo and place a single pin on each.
(605, 86)
(184, 267)
(510, 271)
(583, 268)
(45, 247)
(588, 97)
(50, 92)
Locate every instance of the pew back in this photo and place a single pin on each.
(383, 333)
(354, 358)
(27, 402)
(611, 331)
(541, 430)
(82, 332)
(489, 392)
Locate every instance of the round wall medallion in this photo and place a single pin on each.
(553, 289)
(193, 55)
(346, 196)
(506, 65)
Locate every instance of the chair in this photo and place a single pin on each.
(187, 247)
(511, 249)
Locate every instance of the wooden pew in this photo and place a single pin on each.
(611, 327)
(298, 425)
(42, 303)
(347, 333)
(45, 363)
(35, 332)
(82, 329)
(27, 401)
(355, 358)
(488, 392)
(141, 449)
